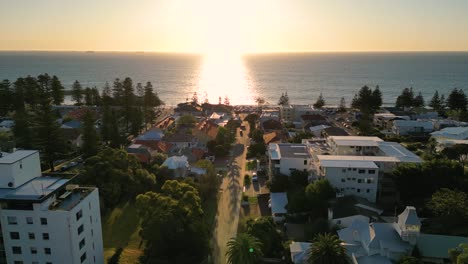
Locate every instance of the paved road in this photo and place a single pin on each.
(227, 217)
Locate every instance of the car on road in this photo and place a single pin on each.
(254, 177)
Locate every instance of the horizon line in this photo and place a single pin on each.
(242, 53)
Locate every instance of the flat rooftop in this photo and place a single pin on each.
(338, 163)
(356, 158)
(36, 189)
(355, 141)
(285, 150)
(9, 158)
(393, 149)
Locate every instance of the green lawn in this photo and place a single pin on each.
(120, 229)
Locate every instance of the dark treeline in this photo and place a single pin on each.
(125, 109)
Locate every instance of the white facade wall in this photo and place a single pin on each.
(289, 164)
(353, 181)
(15, 174)
(62, 228)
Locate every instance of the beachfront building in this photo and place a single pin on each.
(285, 157)
(293, 113)
(412, 127)
(44, 218)
(354, 164)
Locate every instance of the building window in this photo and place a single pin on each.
(359, 180)
(29, 220)
(33, 250)
(47, 251)
(349, 169)
(83, 257)
(79, 214)
(18, 262)
(43, 221)
(14, 235)
(344, 170)
(371, 171)
(92, 232)
(368, 190)
(16, 250)
(354, 179)
(343, 180)
(362, 171)
(305, 162)
(12, 220)
(89, 205)
(358, 190)
(80, 229)
(354, 169)
(45, 236)
(82, 243)
(31, 236)
(91, 219)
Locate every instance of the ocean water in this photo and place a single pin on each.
(302, 75)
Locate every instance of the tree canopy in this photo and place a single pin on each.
(327, 248)
(244, 249)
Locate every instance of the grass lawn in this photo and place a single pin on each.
(120, 229)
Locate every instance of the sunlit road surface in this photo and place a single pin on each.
(227, 216)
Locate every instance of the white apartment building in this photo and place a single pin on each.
(45, 219)
(291, 113)
(412, 127)
(285, 158)
(351, 177)
(354, 164)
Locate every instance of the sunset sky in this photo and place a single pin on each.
(237, 26)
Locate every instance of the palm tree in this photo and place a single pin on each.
(243, 249)
(327, 249)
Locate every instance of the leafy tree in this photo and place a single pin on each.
(244, 249)
(186, 122)
(118, 176)
(252, 119)
(136, 121)
(77, 93)
(48, 135)
(5, 97)
(342, 106)
(318, 194)
(96, 98)
(279, 183)
(106, 124)
(418, 100)
(106, 95)
(31, 91)
(377, 98)
(264, 229)
(320, 102)
(446, 202)
(114, 135)
(22, 130)
(457, 100)
(127, 100)
(409, 260)
(57, 91)
(420, 181)
(90, 136)
(284, 99)
(209, 182)
(117, 91)
(300, 136)
(18, 95)
(327, 249)
(459, 255)
(150, 100)
(88, 96)
(298, 178)
(256, 150)
(366, 100)
(45, 89)
(257, 135)
(457, 152)
(406, 99)
(172, 224)
(436, 102)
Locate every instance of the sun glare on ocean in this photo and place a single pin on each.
(225, 78)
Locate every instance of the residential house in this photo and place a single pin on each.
(412, 127)
(285, 158)
(204, 132)
(178, 164)
(180, 141)
(189, 108)
(313, 120)
(451, 133)
(271, 125)
(141, 152)
(151, 138)
(278, 203)
(71, 132)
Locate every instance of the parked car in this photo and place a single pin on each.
(254, 177)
